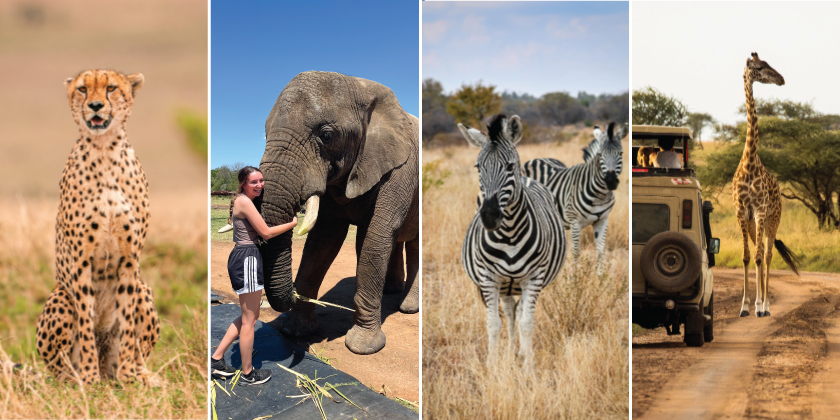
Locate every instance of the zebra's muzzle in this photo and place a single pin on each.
(491, 213)
(611, 180)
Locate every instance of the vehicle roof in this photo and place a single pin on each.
(656, 129)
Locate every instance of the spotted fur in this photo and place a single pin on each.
(100, 320)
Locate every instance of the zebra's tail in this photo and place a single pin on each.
(790, 258)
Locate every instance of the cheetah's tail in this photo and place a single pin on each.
(790, 258)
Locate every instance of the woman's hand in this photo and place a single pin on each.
(243, 206)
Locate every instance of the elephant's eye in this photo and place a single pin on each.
(326, 136)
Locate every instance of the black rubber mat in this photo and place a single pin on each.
(270, 398)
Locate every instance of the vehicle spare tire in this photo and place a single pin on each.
(670, 262)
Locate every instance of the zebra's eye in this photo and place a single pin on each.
(510, 167)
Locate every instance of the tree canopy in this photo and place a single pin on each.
(471, 104)
(653, 107)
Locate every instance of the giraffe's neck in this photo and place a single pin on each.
(751, 147)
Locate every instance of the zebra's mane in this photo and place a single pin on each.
(496, 127)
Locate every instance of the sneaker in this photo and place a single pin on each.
(256, 377)
(221, 368)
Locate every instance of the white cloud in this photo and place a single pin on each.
(433, 32)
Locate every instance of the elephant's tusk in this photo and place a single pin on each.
(226, 228)
(311, 215)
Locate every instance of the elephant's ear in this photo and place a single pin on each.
(390, 139)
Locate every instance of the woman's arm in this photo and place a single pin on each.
(245, 207)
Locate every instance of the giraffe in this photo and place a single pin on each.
(758, 201)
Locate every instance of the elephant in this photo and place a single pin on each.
(345, 147)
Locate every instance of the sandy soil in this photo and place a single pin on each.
(397, 366)
(783, 367)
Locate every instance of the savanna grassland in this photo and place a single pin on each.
(581, 327)
(819, 250)
(173, 264)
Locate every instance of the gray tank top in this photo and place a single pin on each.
(243, 232)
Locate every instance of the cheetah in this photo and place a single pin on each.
(100, 321)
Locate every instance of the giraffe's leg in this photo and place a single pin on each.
(761, 224)
(743, 223)
(509, 308)
(600, 228)
(494, 322)
(772, 227)
(528, 302)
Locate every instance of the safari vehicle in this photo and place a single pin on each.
(673, 248)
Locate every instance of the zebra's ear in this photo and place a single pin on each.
(622, 132)
(473, 136)
(597, 133)
(513, 129)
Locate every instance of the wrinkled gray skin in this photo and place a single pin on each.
(348, 141)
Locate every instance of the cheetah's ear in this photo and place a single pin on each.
(68, 80)
(136, 81)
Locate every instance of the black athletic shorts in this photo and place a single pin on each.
(245, 269)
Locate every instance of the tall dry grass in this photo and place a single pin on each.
(174, 264)
(581, 335)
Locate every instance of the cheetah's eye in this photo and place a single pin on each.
(83, 89)
(111, 88)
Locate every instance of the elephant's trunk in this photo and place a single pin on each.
(277, 269)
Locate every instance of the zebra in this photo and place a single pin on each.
(515, 244)
(585, 191)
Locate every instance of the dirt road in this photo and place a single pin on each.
(786, 366)
(397, 366)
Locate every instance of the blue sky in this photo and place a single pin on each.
(257, 47)
(528, 47)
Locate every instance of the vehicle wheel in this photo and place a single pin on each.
(670, 261)
(693, 340)
(709, 328)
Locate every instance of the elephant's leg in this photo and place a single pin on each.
(374, 251)
(411, 302)
(322, 246)
(395, 278)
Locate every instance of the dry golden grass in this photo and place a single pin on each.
(174, 264)
(580, 337)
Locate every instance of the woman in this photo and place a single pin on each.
(246, 276)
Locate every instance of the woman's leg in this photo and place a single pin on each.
(250, 303)
(230, 335)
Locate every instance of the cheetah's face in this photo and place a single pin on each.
(101, 98)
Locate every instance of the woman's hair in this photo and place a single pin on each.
(244, 173)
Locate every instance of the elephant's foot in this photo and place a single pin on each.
(410, 305)
(296, 324)
(361, 341)
(394, 286)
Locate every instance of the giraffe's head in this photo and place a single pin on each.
(759, 71)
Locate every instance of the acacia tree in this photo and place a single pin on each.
(471, 104)
(653, 107)
(696, 122)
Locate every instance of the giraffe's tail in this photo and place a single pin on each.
(790, 258)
